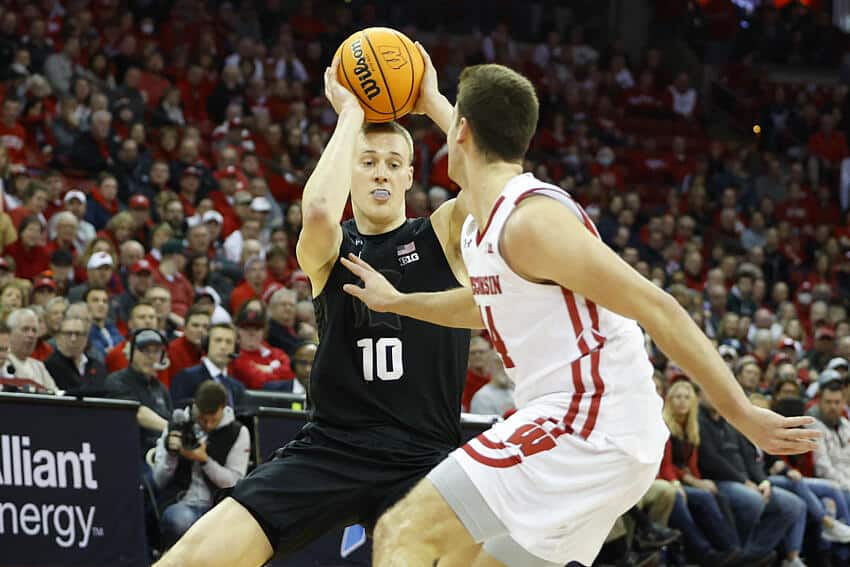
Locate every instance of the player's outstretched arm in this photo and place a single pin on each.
(453, 308)
(326, 191)
(567, 253)
(430, 101)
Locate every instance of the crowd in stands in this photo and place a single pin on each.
(153, 157)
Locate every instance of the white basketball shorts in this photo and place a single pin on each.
(538, 496)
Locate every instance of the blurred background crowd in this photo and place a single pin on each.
(153, 154)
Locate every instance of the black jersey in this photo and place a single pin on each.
(381, 369)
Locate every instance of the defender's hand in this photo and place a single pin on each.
(340, 97)
(377, 293)
(429, 91)
(778, 435)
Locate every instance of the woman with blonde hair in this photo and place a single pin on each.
(709, 537)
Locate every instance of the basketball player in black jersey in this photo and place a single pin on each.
(385, 390)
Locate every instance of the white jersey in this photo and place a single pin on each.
(557, 344)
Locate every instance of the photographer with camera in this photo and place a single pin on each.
(203, 450)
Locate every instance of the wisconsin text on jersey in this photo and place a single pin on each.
(486, 285)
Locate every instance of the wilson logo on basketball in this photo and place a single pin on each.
(393, 56)
(364, 74)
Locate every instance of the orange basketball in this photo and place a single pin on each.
(383, 68)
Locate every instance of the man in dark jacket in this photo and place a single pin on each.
(70, 368)
(764, 515)
(138, 383)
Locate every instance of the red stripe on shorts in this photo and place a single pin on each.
(502, 463)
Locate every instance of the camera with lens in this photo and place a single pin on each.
(190, 432)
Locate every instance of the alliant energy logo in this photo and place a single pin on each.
(364, 73)
(24, 467)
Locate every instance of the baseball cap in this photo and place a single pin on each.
(242, 198)
(299, 276)
(260, 205)
(192, 170)
(139, 202)
(726, 350)
(44, 282)
(208, 292)
(787, 342)
(250, 319)
(213, 216)
(173, 246)
(824, 333)
(828, 376)
(98, 260)
(61, 258)
(838, 362)
(75, 194)
(229, 171)
(780, 357)
(148, 337)
(4, 264)
(141, 266)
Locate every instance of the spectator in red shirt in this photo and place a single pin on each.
(30, 250)
(258, 362)
(34, 204)
(142, 316)
(185, 352)
(255, 284)
(827, 144)
(12, 134)
(476, 374)
(169, 274)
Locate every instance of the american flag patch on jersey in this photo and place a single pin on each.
(406, 248)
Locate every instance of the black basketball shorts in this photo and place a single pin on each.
(328, 478)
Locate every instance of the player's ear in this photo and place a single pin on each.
(462, 132)
(409, 178)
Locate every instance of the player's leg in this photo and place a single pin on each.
(226, 536)
(418, 530)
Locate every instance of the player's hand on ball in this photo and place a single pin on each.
(776, 434)
(339, 97)
(377, 293)
(429, 89)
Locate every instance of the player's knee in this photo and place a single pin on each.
(187, 552)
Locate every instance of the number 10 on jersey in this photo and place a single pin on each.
(382, 357)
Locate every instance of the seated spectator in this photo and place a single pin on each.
(72, 370)
(254, 286)
(764, 515)
(218, 349)
(167, 321)
(34, 203)
(832, 455)
(43, 348)
(185, 351)
(708, 535)
(476, 373)
(170, 275)
(189, 476)
(302, 364)
(281, 329)
(142, 316)
(99, 271)
(813, 492)
(139, 281)
(30, 251)
(23, 333)
(258, 363)
(497, 396)
(103, 336)
(75, 202)
(138, 383)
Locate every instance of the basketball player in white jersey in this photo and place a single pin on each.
(544, 487)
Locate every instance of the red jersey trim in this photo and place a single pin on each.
(480, 236)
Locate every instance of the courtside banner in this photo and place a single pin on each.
(70, 475)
